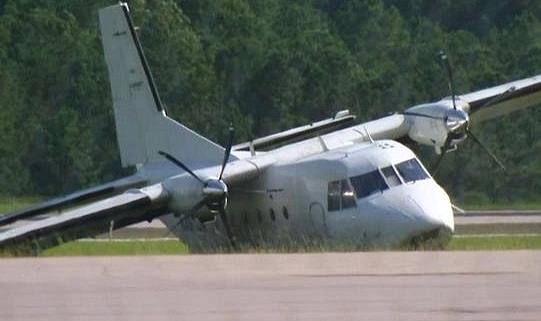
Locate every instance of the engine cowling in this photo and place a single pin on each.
(432, 124)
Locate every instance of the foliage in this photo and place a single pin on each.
(263, 65)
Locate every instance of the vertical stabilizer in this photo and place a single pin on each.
(142, 125)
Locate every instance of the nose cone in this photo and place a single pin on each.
(430, 207)
(456, 120)
(420, 207)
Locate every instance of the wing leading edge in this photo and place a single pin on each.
(503, 99)
(128, 208)
(74, 199)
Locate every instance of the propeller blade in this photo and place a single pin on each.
(447, 66)
(228, 228)
(197, 207)
(444, 150)
(227, 150)
(181, 165)
(485, 148)
(190, 214)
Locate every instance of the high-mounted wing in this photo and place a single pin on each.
(341, 119)
(128, 208)
(74, 199)
(500, 100)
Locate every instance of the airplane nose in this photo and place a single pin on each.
(423, 207)
(432, 209)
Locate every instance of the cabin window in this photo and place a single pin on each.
(411, 171)
(259, 216)
(285, 212)
(368, 184)
(272, 215)
(348, 194)
(341, 195)
(390, 176)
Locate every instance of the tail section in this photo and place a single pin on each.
(142, 125)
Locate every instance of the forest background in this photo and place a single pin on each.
(265, 66)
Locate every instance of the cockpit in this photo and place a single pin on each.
(343, 194)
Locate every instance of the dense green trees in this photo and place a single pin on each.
(263, 65)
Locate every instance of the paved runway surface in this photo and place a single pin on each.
(346, 286)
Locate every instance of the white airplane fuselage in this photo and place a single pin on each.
(361, 195)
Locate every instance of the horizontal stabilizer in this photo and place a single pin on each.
(318, 128)
(74, 199)
(87, 221)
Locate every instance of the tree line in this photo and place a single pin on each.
(264, 66)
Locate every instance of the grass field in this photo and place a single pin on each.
(174, 247)
(10, 204)
(507, 242)
(89, 248)
(516, 205)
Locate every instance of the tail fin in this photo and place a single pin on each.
(142, 125)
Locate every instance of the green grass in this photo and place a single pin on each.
(9, 204)
(511, 242)
(174, 247)
(515, 205)
(94, 248)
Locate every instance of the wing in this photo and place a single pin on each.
(500, 100)
(341, 119)
(128, 208)
(77, 198)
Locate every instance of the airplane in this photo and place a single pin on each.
(329, 181)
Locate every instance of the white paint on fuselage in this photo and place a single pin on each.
(288, 203)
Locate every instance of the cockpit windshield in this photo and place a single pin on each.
(411, 171)
(368, 184)
(343, 193)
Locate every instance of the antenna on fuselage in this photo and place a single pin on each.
(368, 134)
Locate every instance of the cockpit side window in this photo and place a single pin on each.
(411, 171)
(341, 195)
(390, 176)
(368, 184)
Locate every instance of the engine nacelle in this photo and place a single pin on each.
(431, 124)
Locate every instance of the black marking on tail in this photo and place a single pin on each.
(146, 68)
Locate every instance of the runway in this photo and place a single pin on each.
(327, 286)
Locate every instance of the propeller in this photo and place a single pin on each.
(447, 66)
(458, 122)
(215, 192)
